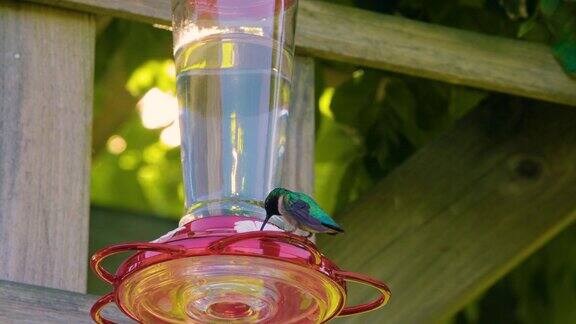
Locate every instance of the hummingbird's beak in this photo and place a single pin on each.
(265, 221)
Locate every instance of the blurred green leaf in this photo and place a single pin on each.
(463, 100)
(527, 26)
(355, 182)
(561, 23)
(565, 51)
(400, 100)
(548, 7)
(145, 177)
(545, 285)
(153, 74)
(354, 103)
(336, 148)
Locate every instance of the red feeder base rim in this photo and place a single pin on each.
(210, 271)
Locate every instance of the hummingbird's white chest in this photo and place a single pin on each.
(284, 213)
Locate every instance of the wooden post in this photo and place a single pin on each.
(46, 77)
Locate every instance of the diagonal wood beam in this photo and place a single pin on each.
(23, 304)
(397, 44)
(463, 211)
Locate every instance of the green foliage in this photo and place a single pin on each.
(566, 53)
(337, 148)
(555, 23)
(146, 175)
(548, 7)
(546, 283)
(152, 74)
(527, 26)
(134, 43)
(560, 19)
(373, 121)
(541, 290)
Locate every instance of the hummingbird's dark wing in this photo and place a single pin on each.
(300, 211)
(315, 211)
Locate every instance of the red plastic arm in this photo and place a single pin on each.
(365, 280)
(98, 257)
(97, 308)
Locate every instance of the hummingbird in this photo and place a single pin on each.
(300, 211)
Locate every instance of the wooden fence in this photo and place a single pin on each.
(493, 198)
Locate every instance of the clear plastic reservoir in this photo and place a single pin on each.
(234, 61)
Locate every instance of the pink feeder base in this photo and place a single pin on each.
(221, 270)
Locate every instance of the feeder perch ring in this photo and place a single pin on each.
(219, 246)
(101, 255)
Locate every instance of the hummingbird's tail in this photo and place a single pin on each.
(334, 228)
(265, 221)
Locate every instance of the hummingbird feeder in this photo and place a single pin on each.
(234, 61)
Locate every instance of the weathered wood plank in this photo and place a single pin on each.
(397, 44)
(298, 171)
(46, 71)
(149, 11)
(463, 211)
(431, 51)
(25, 304)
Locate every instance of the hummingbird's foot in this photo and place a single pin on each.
(310, 234)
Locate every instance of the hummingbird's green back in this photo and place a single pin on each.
(315, 210)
